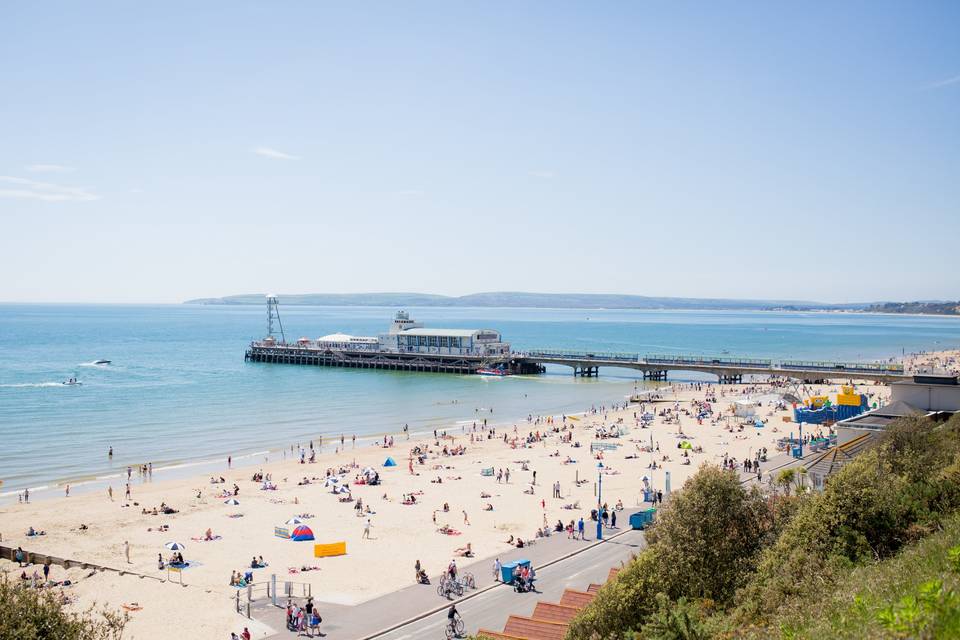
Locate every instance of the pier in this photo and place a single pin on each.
(729, 370)
(409, 346)
(583, 364)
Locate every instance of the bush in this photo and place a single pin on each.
(31, 614)
(705, 541)
(889, 496)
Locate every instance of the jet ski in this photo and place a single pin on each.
(101, 362)
(72, 382)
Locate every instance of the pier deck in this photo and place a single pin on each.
(653, 367)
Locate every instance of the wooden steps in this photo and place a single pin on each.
(552, 612)
(550, 619)
(493, 635)
(533, 629)
(574, 598)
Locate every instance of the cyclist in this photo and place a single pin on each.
(454, 622)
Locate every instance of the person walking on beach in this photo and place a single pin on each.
(229, 462)
(506, 475)
(110, 492)
(67, 491)
(466, 520)
(128, 491)
(126, 551)
(366, 530)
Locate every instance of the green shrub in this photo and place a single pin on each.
(31, 614)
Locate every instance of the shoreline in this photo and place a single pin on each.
(189, 465)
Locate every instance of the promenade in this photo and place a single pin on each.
(560, 563)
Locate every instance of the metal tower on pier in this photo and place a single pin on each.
(273, 314)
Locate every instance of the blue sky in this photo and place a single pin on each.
(765, 150)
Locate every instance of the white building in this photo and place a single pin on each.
(407, 336)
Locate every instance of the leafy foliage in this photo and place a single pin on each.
(30, 614)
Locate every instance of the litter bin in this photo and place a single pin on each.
(506, 570)
(643, 519)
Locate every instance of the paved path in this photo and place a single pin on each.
(489, 608)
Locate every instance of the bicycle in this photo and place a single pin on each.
(454, 628)
(467, 580)
(448, 586)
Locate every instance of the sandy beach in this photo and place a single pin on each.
(400, 533)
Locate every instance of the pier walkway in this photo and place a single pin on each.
(728, 369)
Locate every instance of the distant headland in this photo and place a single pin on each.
(517, 299)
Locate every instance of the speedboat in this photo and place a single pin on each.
(101, 362)
(493, 372)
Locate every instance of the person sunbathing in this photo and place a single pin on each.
(488, 507)
(208, 535)
(464, 552)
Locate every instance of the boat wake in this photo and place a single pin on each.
(32, 385)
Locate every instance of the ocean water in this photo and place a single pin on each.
(178, 389)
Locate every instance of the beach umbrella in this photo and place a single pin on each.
(331, 480)
(175, 546)
(293, 520)
(232, 501)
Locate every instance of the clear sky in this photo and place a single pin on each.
(154, 152)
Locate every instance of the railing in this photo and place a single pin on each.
(871, 367)
(584, 355)
(708, 361)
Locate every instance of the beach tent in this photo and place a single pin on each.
(744, 409)
(294, 520)
(301, 533)
(389, 462)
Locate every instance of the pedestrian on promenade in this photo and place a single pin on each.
(497, 570)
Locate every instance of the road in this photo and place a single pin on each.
(490, 609)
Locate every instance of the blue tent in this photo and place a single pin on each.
(389, 462)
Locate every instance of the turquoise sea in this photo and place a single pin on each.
(178, 390)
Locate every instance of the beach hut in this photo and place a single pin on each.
(302, 533)
(389, 462)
